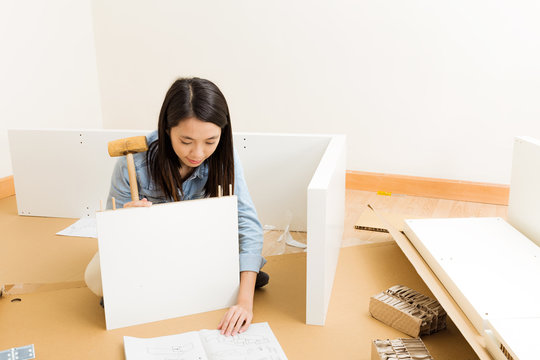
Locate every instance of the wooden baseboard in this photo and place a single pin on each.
(429, 187)
(399, 184)
(7, 187)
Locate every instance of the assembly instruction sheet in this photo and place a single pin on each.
(257, 343)
(85, 227)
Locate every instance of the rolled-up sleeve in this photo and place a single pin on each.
(119, 189)
(250, 232)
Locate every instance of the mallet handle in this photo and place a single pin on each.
(132, 178)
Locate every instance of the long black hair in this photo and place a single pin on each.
(186, 98)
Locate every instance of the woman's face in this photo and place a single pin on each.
(194, 141)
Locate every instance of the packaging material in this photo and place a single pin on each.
(369, 221)
(287, 234)
(402, 349)
(408, 311)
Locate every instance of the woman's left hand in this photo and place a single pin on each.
(237, 319)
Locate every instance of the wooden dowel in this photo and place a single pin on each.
(100, 205)
(113, 203)
(230, 189)
(219, 190)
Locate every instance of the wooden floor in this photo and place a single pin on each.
(414, 206)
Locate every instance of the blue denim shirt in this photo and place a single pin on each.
(250, 231)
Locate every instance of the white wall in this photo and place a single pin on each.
(48, 73)
(422, 88)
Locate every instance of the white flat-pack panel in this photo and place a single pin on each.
(518, 336)
(74, 171)
(326, 215)
(278, 169)
(524, 201)
(62, 173)
(490, 268)
(168, 260)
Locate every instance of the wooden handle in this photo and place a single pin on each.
(132, 178)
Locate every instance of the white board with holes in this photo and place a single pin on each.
(278, 169)
(489, 267)
(65, 173)
(513, 338)
(168, 260)
(62, 173)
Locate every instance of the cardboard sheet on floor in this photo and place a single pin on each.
(369, 221)
(168, 260)
(70, 324)
(32, 253)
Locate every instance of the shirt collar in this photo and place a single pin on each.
(200, 171)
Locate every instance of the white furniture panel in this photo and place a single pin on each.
(278, 169)
(326, 215)
(62, 173)
(151, 266)
(489, 268)
(485, 264)
(524, 204)
(518, 337)
(294, 179)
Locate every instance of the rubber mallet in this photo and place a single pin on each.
(128, 147)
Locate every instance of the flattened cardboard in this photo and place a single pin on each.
(369, 221)
(70, 323)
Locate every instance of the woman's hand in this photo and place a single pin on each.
(237, 319)
(139, 203)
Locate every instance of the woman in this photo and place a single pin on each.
(189, 155)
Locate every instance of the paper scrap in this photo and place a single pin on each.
(286, 235)
(298, 244)
(85, 227)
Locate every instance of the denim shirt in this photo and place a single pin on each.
(250, 232)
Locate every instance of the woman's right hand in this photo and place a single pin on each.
(139, 203)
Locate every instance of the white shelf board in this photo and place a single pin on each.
(490, 268)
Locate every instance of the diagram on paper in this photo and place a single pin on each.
(185, 346)
(173, 352)
(257, 343)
